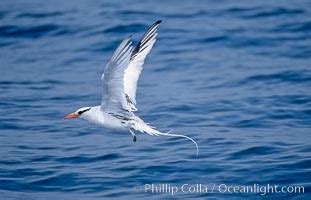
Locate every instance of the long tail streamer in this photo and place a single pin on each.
(179, 135)
(141, 126)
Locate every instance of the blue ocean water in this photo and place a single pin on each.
(234, 75)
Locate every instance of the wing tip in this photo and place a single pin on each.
(158, 22)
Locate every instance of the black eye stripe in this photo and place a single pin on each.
(82, 111)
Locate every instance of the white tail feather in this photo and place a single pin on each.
(179, 135)
(144, 127)
(141, 126)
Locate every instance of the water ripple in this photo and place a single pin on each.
(14, 31)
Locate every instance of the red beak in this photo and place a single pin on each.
(71, 115)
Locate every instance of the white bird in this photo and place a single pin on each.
(119, 82)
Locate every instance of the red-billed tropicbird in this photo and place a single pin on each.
(119, 82)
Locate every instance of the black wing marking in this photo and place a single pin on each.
(145, 39)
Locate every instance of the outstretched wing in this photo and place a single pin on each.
(134, 69)
(113, 77)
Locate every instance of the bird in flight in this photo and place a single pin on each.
(119, 84)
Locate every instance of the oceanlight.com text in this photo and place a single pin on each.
(166, 188)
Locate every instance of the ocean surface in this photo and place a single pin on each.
(234, 75)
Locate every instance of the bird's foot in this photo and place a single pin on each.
(133, 134)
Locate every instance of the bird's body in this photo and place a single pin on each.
(117, 121)
(104, 119)
(119, 90)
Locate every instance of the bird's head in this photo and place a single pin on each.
(81, 112)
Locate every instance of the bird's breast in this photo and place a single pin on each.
(112, 122)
